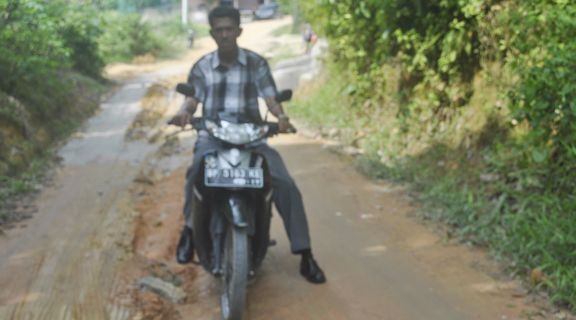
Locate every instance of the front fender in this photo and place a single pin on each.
(236, 211)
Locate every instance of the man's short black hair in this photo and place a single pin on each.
(224, 12)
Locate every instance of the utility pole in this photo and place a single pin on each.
(185, 12)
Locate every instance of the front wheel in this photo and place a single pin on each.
(235, 273)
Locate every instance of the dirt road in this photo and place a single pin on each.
(97, 231)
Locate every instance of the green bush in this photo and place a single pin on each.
(170, 35)
(80, 28)
(545, 61)
(436, 41)
(125, 37)
(39, 37)
(444, 45)
(31, 45)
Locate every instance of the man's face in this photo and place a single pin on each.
(225, 32)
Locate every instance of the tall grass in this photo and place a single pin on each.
(21, 183)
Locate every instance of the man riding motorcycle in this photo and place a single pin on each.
(229, 81)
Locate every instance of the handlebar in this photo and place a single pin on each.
(274, 128)
(193, 121)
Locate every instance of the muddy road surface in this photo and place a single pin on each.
(101, 227)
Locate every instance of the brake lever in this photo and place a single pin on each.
(170, 135)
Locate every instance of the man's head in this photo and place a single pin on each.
(224, 12)
(225, 23)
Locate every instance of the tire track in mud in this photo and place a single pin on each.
(76, 268)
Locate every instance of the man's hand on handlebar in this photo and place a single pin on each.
(284, 126)
(182, 118)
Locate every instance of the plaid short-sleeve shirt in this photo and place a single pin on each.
(233, 90)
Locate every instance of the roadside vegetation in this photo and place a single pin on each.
(286, 29)
(471, 102)
(287, 48)
(51, 61)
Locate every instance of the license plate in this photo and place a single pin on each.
(235, 177)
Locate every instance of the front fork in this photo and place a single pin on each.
(217, 241)
(217, 271)
(233, 213)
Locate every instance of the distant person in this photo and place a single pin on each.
(307, 34)
(190, 38)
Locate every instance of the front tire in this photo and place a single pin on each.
(235, 273)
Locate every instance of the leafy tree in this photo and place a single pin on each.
(544, 56)
(80, 27)
(442, 44)
(40, 37)
(31, 44)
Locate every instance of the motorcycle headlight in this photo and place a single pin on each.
(236, 133)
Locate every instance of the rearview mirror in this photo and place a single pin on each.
(186, 89)
(283, 95)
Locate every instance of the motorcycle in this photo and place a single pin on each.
(232, 205)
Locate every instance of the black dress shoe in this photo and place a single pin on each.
(311, 271)
(185, 249)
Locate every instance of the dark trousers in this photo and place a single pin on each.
(285, 196)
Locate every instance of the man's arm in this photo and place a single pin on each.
(276, 109)
(267, 88)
